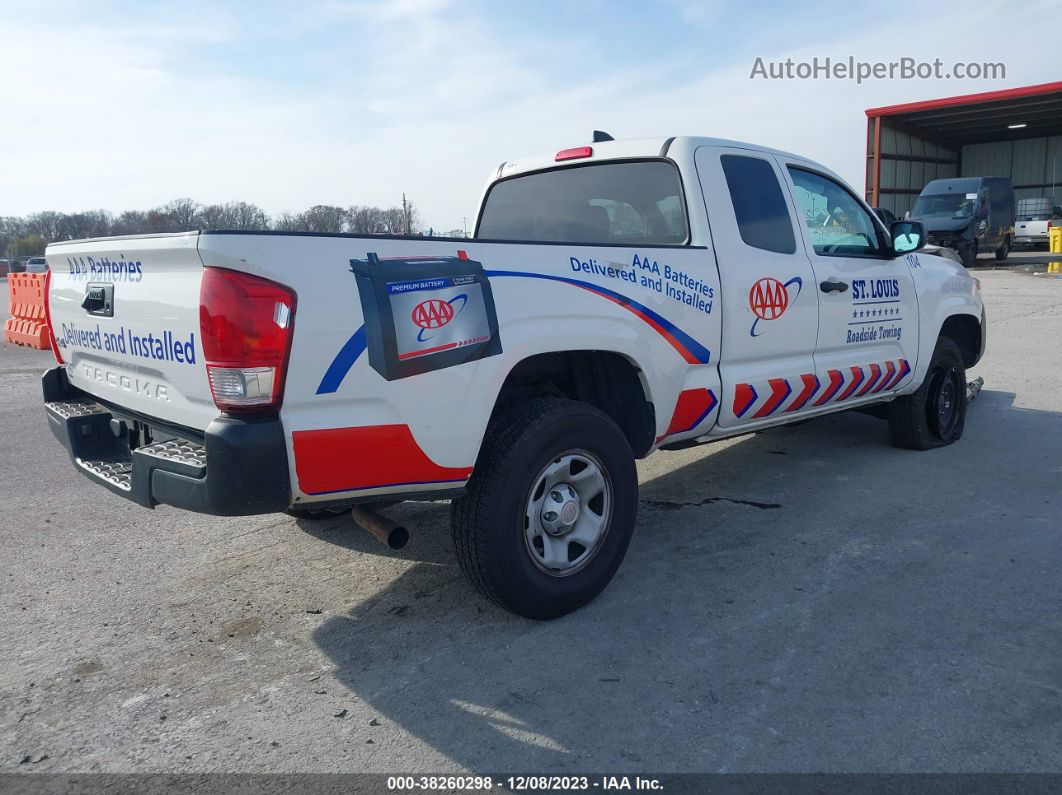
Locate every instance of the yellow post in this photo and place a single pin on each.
(1054, 241)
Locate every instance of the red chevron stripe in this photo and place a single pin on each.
(692, 407)
(890, 370)
(905, 368)
(744, 396)
(780, 390)
(857, 379)
(836, 379)
(875, 374)
(811, 386)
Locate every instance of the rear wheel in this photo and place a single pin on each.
(549, 510)
(935, 415)
(1003, 250)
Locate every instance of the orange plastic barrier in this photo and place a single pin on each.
(27, 325)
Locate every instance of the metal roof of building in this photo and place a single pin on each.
(976, 118)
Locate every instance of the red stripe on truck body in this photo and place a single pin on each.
(369, 457)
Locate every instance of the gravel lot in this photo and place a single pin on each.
(808, 599)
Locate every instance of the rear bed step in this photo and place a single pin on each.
(178, 451)
(76, 408)
(116, 471)
(236, 468)
(119, 470)
(85, 427)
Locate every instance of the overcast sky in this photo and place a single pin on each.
(117, 106)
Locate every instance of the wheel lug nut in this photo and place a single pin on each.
(555, 496)
(549, 516)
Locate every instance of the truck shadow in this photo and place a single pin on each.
(747, 578)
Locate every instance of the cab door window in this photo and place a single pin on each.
(837, 224)
(759, 206)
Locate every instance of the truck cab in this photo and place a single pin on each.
(617, 299)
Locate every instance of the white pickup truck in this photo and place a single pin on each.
(617, 298)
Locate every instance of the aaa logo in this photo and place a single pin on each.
(433, 313)
(769, 298)
(436, 313)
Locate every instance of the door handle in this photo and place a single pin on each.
(94, 299)
(99, 300)
(833, 287)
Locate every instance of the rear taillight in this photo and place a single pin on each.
(246, 324)
(48, 316)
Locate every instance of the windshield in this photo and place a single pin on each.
(944, 205)
(637, 202)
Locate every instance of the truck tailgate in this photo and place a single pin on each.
(125, 312)
(1035, 230)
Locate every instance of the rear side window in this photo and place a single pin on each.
(634, 202)
(762, 214)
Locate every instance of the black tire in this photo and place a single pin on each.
(969, 257)
(488, 523)
(935, 415)
(1003, 250)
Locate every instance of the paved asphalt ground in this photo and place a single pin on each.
(807, 599)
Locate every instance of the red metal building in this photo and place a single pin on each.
(1014, 132)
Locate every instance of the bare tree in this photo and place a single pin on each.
(366, 220)
(76, 226)
(96, 223)
(181, 215)
(214, 216)
(248, 216)
(47, 224)
(35, 231)
(288, 222)
(11, 229)
(324, 218)
(131, 222)
(233, 215)
(12, 226)
(394, 221)
(158, 220)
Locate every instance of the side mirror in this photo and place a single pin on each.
(907, 236)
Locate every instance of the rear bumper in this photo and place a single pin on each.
(236, 468)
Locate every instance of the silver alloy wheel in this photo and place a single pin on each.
(568, 511)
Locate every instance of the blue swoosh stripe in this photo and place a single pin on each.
(340, 366)
(702, 354)
(355, 346)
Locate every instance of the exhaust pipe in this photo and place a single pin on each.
(386, 531)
